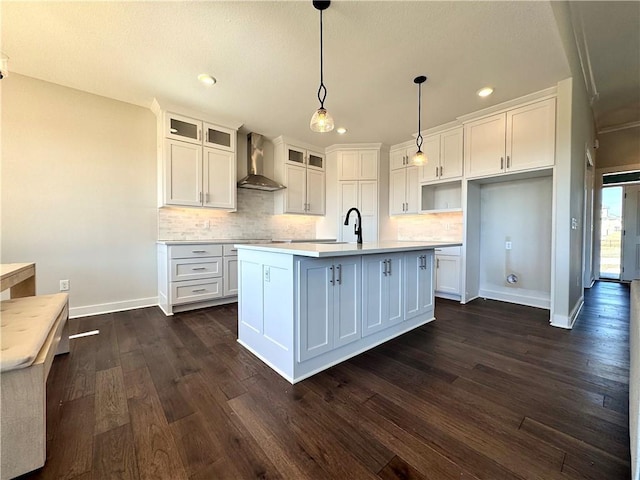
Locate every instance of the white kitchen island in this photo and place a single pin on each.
(305, 307)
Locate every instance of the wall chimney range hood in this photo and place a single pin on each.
(255, 166)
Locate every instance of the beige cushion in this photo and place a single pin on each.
(24, 327)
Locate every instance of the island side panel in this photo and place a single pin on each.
(266, 308)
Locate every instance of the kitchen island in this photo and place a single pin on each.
(303, 308)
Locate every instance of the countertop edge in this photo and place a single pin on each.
(340, 250)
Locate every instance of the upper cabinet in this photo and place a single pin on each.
(300, 168)
(197, 161)
(358, 165)
(404, 193)
(519, 139)
(444, 153)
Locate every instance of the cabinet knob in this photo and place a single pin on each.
(501, 163)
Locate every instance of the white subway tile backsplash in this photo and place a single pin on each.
(253, 219)
(431, 227)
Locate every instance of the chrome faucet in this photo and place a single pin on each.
(358, 226)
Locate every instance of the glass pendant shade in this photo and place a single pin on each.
(420, 158)
(321, 121)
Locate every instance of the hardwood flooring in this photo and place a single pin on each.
(487, 391)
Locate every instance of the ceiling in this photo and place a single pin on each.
(265, 56)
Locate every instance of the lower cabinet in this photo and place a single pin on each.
(329, 299)
(418, 283)
(382, 304)
(196, 275)
(447, 273)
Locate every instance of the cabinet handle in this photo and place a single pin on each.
(199, 268)
(389, 263)
(508, 161)
(206, 136)
(200, 196)
(436, 171)
(440, 171)
(437, 263)
(333, 276)
(384, 271)
(198, 290)
(339, 267)
(198, 251)
(501, 163)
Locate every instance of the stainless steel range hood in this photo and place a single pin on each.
(255, 166)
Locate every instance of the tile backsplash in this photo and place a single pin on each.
(432, 226)
(253, 219)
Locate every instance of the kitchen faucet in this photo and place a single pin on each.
(358, 226)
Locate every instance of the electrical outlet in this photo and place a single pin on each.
(507, 245)
(64, 285)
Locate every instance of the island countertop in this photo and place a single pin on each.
(324, 250)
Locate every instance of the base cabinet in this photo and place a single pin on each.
(196, 275)
(301, 315)
(382, 304)
(447, 273)
(328, 292)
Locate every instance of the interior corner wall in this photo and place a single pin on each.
(79, 193)
(574, 134)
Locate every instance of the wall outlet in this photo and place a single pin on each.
(507, 245)
(64, 285)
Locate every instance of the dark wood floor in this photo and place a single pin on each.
(488, 391)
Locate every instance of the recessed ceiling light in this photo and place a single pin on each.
(485, 92)
(206, 79)
(341, 130)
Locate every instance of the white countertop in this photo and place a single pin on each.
(216, 241)
(343, 249)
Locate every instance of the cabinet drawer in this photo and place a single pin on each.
(448, 251)
(230, 251)
(195, 251)
(196, 290)
(191, 269)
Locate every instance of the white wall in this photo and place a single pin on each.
(79, 193)
(519, 212)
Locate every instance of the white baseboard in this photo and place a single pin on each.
(520, 299)
(76, 312)
(564, 321)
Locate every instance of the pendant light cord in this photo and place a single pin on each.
(419, 137)
(322, 90)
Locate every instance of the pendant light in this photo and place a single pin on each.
(419, 158)
(321, 121)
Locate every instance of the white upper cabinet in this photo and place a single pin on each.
(444, 153)
(516, 140)
(401, 157)
(301, 169)
(198, 162)
(404, 190)
(358, 165)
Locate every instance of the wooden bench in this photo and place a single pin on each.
(32, 330)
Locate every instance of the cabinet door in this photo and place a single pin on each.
(448, 274)
(368, 206)
(451, 154)
(178, 127)
(412, 190)
(315, 160)
(295, 193)
(484, 146)
(531, 134)
(382, 303)
(219, 137)
(315, 192)
(295, 155)
(431, 148)
(346, 299)
(183, 174)
(418, 285)
(230, 276)
(397, 158)
(348, 165)
(347, 198)
(315, 314)
(219, 179)
(397, 191)
(368, 165)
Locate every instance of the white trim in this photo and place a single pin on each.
(616, 128)
(280, 372)
(550, 92)
(101, 308)
(562, 321)
(353, 146)
(517, 298)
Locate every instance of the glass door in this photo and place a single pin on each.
(611, 233)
